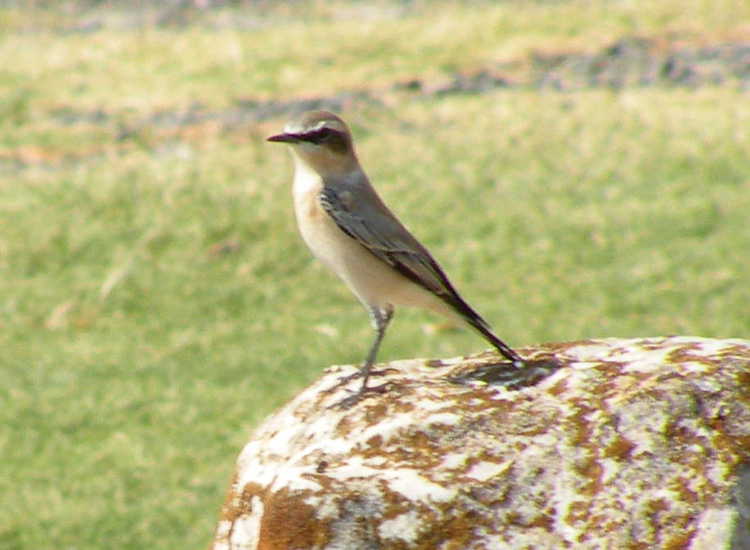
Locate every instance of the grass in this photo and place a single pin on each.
(156, 301)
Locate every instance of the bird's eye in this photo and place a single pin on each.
(320, 135)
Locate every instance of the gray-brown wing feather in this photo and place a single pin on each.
(369, 222)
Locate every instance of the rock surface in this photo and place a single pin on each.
(631, 444)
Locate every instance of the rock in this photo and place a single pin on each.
(631, 444)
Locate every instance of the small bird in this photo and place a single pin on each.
(348, 227)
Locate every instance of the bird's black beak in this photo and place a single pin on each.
(284, 138)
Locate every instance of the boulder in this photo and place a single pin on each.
(601, 444)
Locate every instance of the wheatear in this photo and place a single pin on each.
(347, 227)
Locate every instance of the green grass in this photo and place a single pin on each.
(156, 301)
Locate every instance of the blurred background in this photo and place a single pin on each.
(579, 168)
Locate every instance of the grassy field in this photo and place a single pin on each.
(156, 301)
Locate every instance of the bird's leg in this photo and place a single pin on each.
(379, 318)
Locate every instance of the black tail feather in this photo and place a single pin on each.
(480, 325)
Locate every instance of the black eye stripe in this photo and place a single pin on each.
(320, 135)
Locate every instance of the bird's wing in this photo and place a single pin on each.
(359, 212)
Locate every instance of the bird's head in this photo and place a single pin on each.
(320, 139)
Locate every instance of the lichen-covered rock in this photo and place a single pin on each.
(630, 444)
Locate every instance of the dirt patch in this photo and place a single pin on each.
(637, 62)
(628, 63)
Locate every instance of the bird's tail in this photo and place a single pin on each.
(473, 319)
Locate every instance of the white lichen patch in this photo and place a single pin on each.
(589, 354)
(482, 471)
(355, 467)
(416, 487)
(325, 506)
(404, 527)
(431, 405)
(245, 532)
(714, 529)
(454, 461)
(223, 531)
(443, 419)
(295, 478)
(388, 428)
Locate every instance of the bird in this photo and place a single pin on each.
(348, 227)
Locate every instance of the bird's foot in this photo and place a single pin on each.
(355, 397)
(355, 375)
